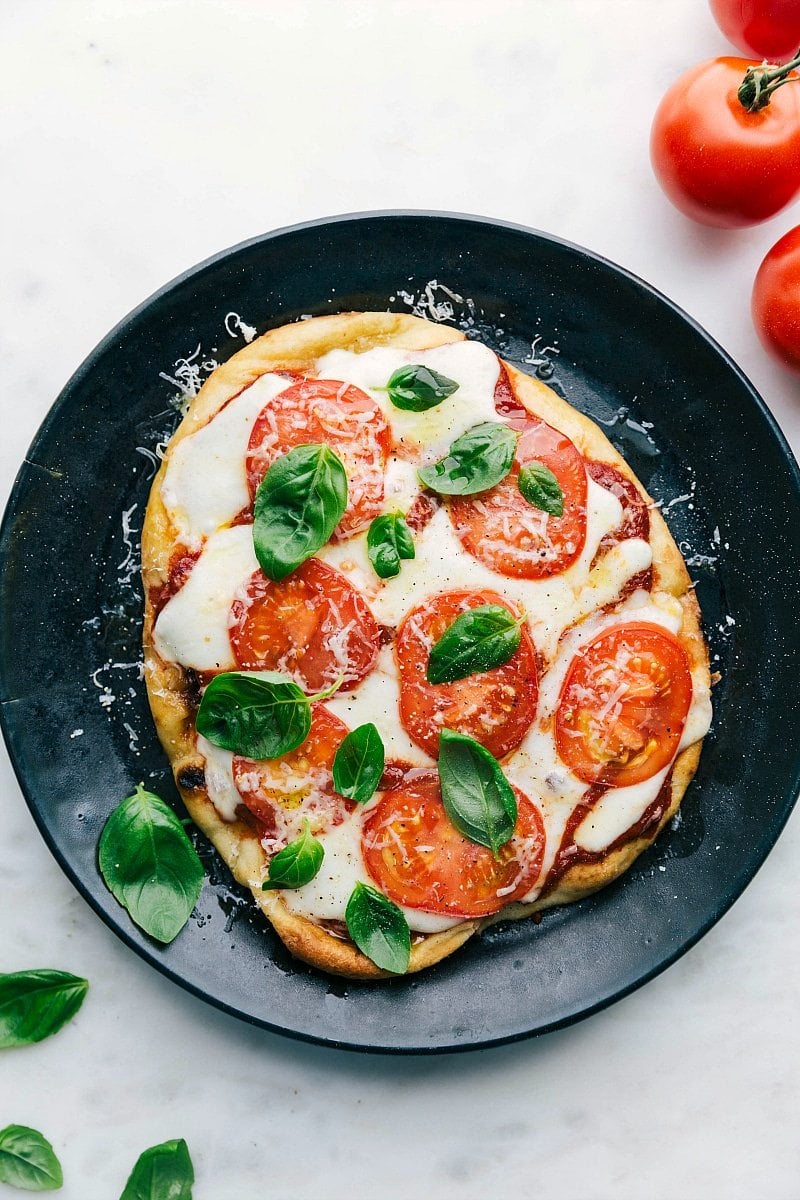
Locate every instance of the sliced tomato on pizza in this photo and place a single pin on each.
(284, 792)
(338, 415)
(623, 705)
(313, 625)
(504, 531)
(495, 707)
(419, 859)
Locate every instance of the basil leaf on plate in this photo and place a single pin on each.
(389, 540)
(259, 716)
(416, 388)
(149, 865)
(163, 1172)
(358, 764)
(476, 461)
(28, 1161)
(540, 488)
(379, 929)
(478, 640)
(296, 864)
(36, 1004)
(476, 795)
(299, 503)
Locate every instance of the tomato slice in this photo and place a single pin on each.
(283, 792)
(495, 707)
(339, 415)
(313, 625)
(506, 533)
(418, 858)
(623, 705)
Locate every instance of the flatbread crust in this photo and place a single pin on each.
(170, 689)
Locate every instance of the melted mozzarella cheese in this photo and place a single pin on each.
(221, 789)
(205, 484)
(441, 564)
(377, 699)
(192, 627)
(475, 368)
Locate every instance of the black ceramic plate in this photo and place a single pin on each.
(75, 714)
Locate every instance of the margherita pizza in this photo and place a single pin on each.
(421, 650)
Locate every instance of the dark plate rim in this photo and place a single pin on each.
(739, 882)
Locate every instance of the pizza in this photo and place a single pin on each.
(421, 650)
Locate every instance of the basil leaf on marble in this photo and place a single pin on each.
(476, 461)
(36, 1004)
(541, 489)
(28, 1161)
(149, 865)
(358, 764)
(478, 640)
(296, 864)
(163, 1172)
(389, 540)
(417, 388)
(260, 716)
(299, 503)
(379, 929)
(476, 795)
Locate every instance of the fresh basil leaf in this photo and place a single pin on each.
(28, 1161)
(379, 929)
(389, 539)
(358, 764)
(417, 388)
(299, 503)
(477, 460)
(296, 864)
(478, 640)
(36, 1004)
(163, 1172)
(149, 865)
(540, 488)
(259, 716)
(476, 795)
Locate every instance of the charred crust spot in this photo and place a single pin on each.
(194, 686)
(191, 778)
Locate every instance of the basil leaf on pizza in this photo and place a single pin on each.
(163, 1172)
(379, 929)
(149, 865)
(299, 503)
(36, 1004)
(476, 461)
(478, 640)
(417, 388)
(358, 764)
(28, 1161)
(476, 795)
(541, 489)
(258, 716)
(389, 540)
(296, 864)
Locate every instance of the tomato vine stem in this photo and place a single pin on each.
(760, 82)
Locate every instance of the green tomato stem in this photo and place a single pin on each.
(760, 82)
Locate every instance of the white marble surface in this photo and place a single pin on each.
(136, 140)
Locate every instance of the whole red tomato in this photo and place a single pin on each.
(776, 300)
(719, 162)
(766, 28)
